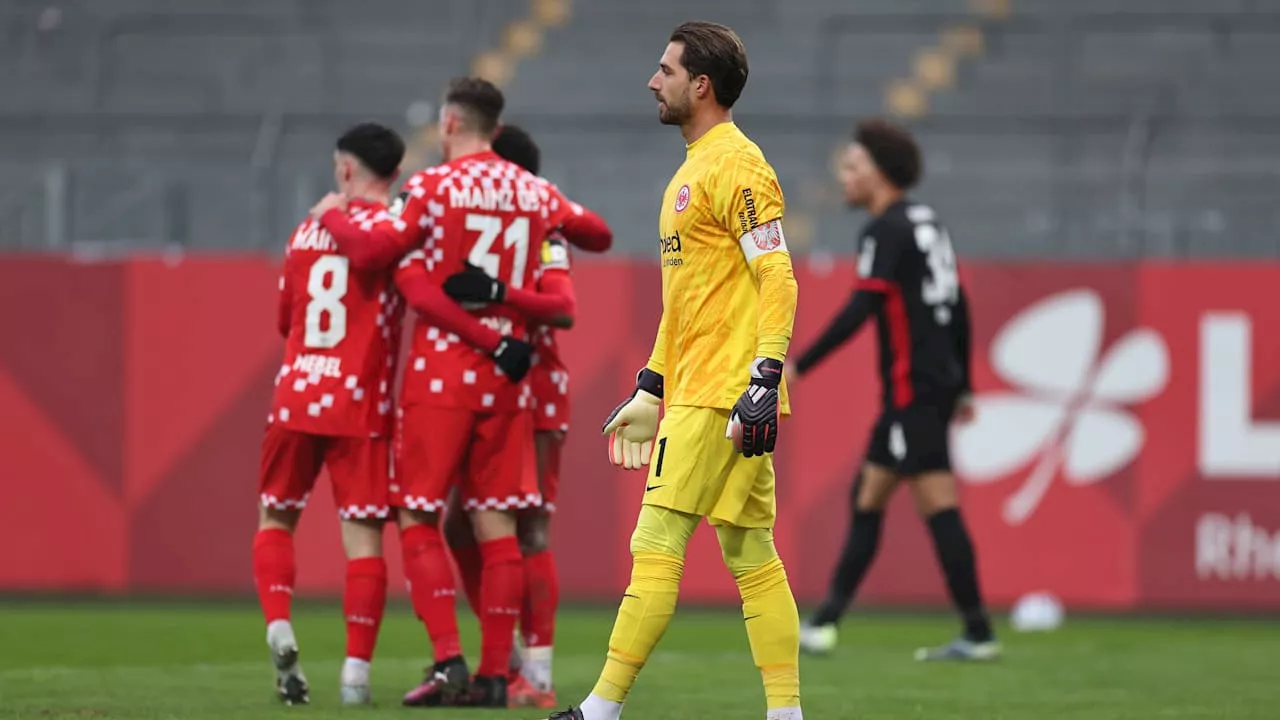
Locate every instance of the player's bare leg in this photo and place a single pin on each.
(274, 573)
(937, 502)
(501, 597)
(364, 600)
(461, 538)
(433, 592)
(871, 493)
(534, 687)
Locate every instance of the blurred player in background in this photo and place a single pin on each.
(332, 408)
(908, 280)
(728, 299)
(550, 306)
(465, 416)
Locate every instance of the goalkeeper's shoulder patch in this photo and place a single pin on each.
(555, 253)
(763, 239)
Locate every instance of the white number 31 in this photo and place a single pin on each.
(516, 237)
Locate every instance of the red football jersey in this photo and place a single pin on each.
(343, 335)
(484, 211)
(555, 260)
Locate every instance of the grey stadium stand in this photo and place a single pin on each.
(1085, 129)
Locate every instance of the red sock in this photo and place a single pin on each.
(470, 568)
(363, 602)
(501, 593)
(541, 596)
(274, 572)
(431, 587)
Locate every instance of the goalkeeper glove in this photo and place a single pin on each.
(753, 423)
(513, 357)
(634, 422)
(474, 285)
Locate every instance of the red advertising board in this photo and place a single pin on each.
(1126, 452)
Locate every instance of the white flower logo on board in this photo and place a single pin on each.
(1070, 410)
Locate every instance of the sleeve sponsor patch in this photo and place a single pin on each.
(764, 238)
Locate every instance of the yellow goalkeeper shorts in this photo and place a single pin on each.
(695, 470)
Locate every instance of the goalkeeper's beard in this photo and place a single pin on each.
(675, 112)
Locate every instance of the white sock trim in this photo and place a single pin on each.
(355, 671)
(597, 708)
(536, 667)
(539, 653)
(280, 632)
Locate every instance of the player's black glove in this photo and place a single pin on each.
(513, 358)
(753, 423)
(474, 285)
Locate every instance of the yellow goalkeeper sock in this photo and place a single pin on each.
(773, 628)
(658, 546)
(647, 607)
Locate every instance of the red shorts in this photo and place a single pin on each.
(550, 398)
(549, 470)
(489, 456)
(358, 469)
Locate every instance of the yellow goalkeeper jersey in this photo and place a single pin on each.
(720, 233)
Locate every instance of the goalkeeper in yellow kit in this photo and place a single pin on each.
(729, 299)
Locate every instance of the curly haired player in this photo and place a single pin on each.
(909, 282)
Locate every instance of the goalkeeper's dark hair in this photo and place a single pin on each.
(480, 101)
(379, 148)
(893, 149)
(513, 144)
(716, 51)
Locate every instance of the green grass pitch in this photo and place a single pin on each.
(209, 661)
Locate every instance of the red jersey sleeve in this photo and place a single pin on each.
(428, 299)
(587, 230)
(378, 242)
(580, 226)
(553, 301)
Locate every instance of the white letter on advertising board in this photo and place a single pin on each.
(1232, 443)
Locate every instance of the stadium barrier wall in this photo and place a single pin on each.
(1126, 452)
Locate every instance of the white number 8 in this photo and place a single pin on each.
(326, 299)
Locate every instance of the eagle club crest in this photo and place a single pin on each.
(767, 236)
(682, 198)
